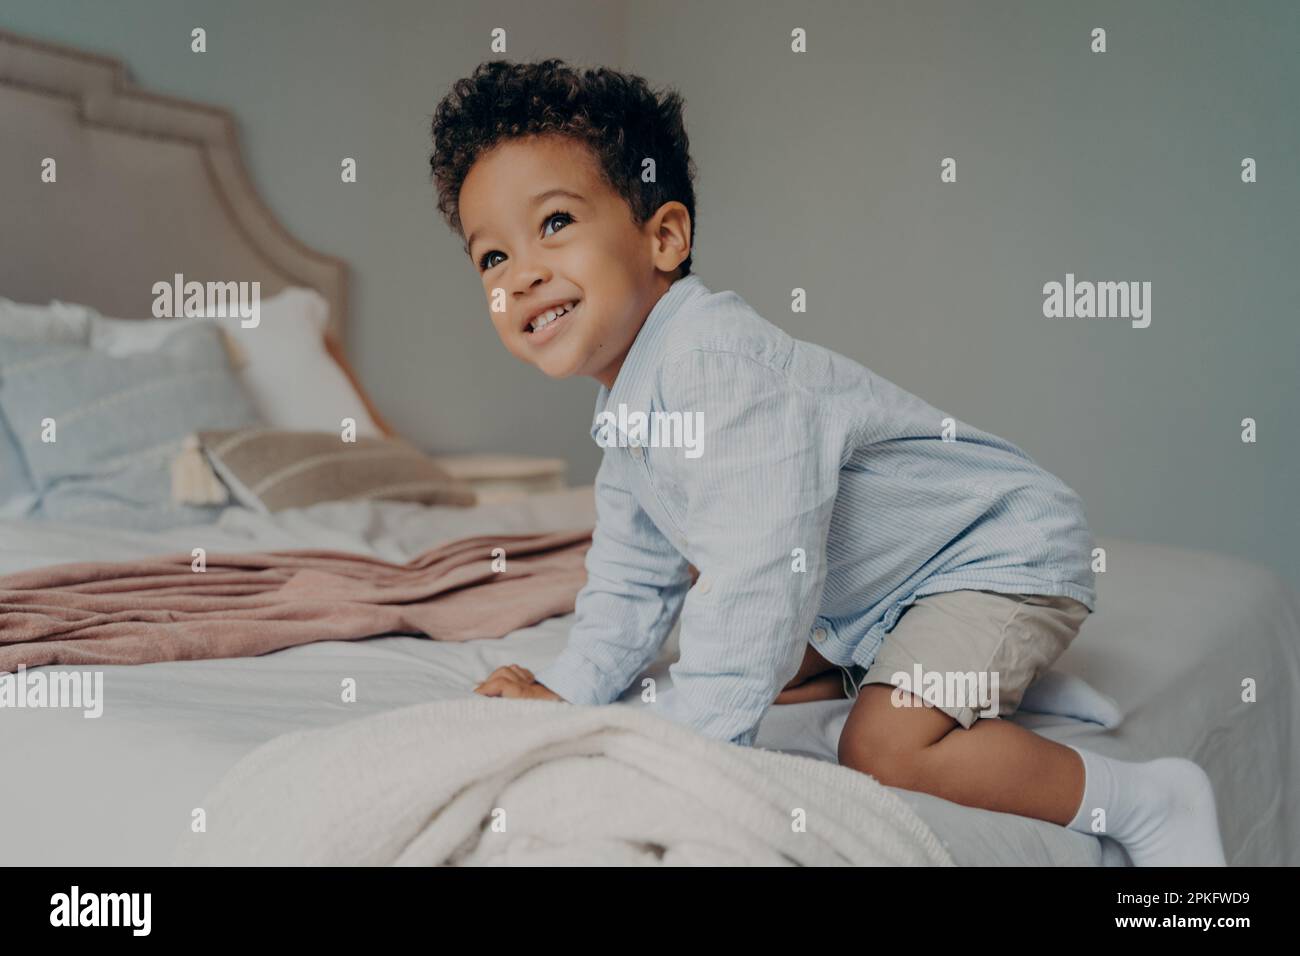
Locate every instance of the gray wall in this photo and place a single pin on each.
(820, 171)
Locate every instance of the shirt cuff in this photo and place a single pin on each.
(578, 680)
(746, 739)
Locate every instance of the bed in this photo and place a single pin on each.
(1176, 632)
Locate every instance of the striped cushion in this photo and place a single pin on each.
(274, 469)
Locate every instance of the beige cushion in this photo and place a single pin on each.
(273, 469)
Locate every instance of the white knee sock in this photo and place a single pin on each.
(1162, 811)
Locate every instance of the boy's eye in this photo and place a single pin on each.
(486, 262)
(559, 214)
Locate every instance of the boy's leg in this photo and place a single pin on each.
(812, 665)
(986, 648)
(996, 765)
(1162, 811)
(816, 679)
(828, 685)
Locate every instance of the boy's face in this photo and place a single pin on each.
(579, 244)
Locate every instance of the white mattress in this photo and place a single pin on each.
(1175, 634)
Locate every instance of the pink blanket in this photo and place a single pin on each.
(160, 609)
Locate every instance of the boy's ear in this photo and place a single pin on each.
(670, 232)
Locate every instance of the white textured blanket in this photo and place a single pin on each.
(490, 781)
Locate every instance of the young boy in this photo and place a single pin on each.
(836, 520)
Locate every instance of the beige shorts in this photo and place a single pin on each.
(972, 654)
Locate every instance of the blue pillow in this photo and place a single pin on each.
(13, 470)
(118, 423)
(56, 322)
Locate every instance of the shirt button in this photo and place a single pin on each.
(819, 634)
(637, 452)
(703, 586)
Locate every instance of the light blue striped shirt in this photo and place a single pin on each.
(818, 502)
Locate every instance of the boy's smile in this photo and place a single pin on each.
(548, 233)
(544, 322)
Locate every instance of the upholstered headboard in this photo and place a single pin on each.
(147, 186)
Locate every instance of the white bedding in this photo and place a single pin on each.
(1175, 634)
(563, 786)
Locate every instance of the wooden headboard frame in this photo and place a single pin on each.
(146, 186)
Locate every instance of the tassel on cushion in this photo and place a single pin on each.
(234, 351)
(193, 480)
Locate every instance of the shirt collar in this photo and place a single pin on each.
(637, 372)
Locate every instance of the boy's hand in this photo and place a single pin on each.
(515, 681)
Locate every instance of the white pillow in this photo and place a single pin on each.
(56, 322)
(282, 361)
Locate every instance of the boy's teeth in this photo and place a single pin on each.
(546, 318)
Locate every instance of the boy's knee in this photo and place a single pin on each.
(891, 764)
(887, 742)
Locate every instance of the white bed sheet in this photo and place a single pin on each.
(1175, 634)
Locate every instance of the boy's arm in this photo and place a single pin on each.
(758, 503)
(636, 581)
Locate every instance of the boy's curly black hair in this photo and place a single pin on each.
(616, 115)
